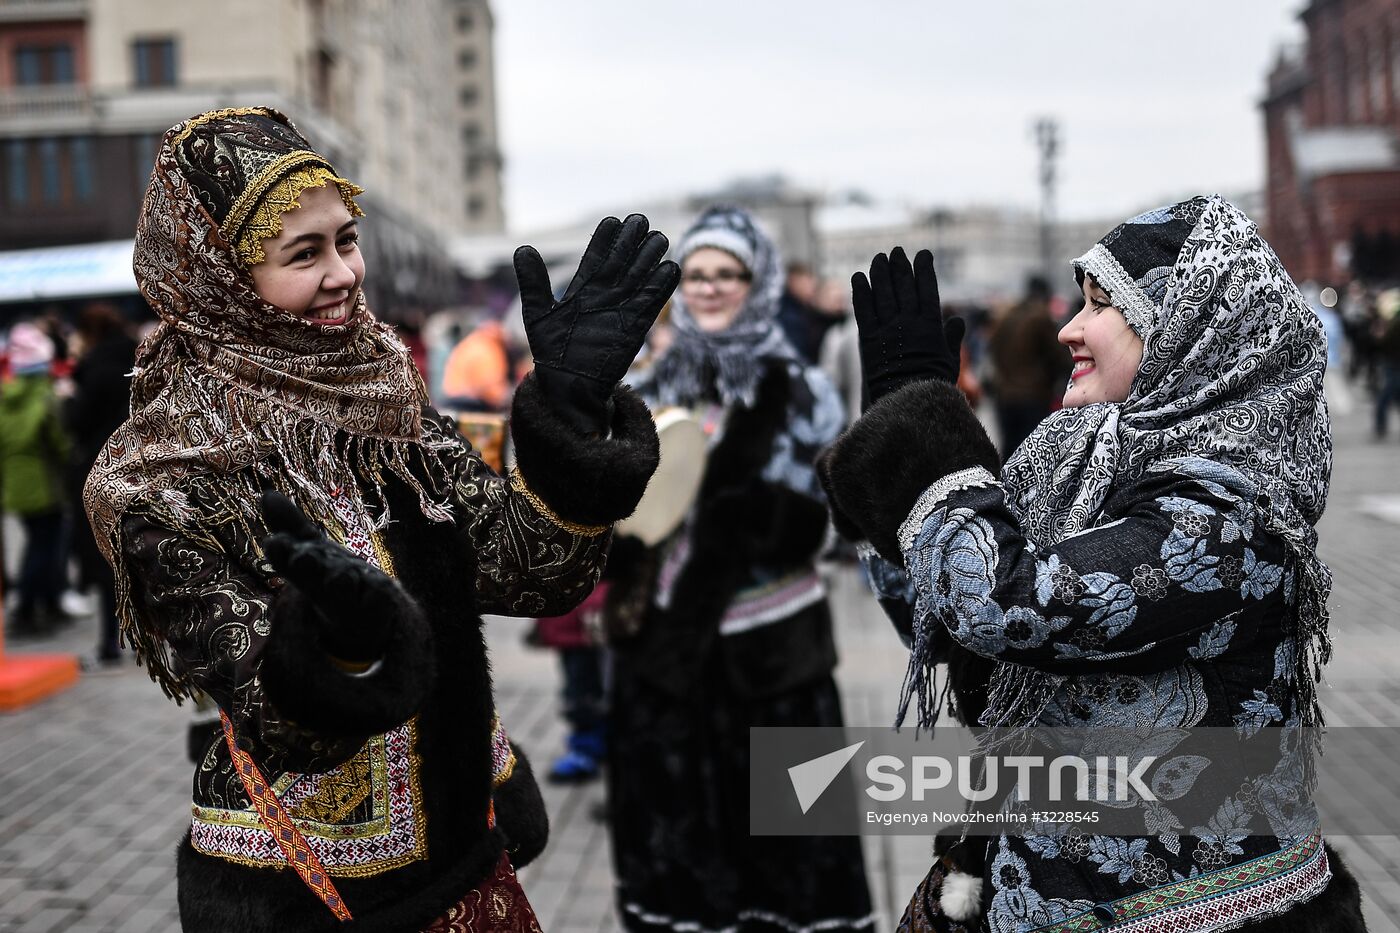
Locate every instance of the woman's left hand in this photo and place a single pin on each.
(584, 342)
(904, 336)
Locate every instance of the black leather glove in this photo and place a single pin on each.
(584, 342)
(903, 337)
(357, 604)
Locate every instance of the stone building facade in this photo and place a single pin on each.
(400, 95)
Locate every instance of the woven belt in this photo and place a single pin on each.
(289, 839)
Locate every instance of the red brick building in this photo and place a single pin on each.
(1332, 119)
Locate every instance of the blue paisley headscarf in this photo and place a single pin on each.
(1231, 372)
(731, 361)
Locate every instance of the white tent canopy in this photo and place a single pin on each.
(86, 270)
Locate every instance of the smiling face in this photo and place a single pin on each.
(715, 285)
(313, 267)
(1106, 351)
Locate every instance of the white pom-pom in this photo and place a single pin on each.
(962, 896)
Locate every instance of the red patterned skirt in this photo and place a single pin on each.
(497, 905)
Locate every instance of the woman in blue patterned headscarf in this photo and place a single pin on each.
(1146, 559)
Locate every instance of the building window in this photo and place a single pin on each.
(44, 64)
(467, 58)
(17, 172)
(155, 62)
(464, 22)
(476, 206)
(50, 172)
(80, 161)
(143, 156)
(471, 134)
(469, 95)
(55, 171)
(323, 79)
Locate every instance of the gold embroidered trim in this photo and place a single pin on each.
(517, 483)
(499, 777)
(257, 214)
(379, 825)
(381, 554)
(339, 792)
(195, 123)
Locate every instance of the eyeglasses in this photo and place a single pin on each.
(723, 280)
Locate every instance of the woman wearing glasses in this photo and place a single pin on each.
(734, 629)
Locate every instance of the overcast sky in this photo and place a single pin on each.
(610, 102)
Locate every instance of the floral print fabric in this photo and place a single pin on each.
(1166, 616)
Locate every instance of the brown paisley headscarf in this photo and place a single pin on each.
(231, 387)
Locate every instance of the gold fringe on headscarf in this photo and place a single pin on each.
(265, 220)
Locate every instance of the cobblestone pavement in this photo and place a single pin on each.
(94, 786)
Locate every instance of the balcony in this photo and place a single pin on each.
(46, 106)
(23, 11)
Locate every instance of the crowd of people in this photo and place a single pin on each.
(276, 507)
(66, 389)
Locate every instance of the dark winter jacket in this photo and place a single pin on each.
(100, 402)
(1169, 615)
(736, 585)
(399, 818)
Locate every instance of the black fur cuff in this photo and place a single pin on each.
(586, 480)
(308, 689)
(908, 440)
(520, 813)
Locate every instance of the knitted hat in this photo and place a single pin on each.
(1134, 261)
(31, 350)
(724, 228)
(247, 167)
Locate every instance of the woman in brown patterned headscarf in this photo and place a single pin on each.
(276, 428)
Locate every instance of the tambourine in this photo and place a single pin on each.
(676, 483)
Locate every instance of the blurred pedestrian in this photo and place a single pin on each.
(840, 360)
(477, 376)
(576, 637)
(801, 315)
(1359, 315)
(1388, 358)
(297, 534)
(1334, 381)
(730, 624)
(100, 401)
(1030, 365)
(34, 454)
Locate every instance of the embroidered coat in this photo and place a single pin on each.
(1166, 615)
(410, 820)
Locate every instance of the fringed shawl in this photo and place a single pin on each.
(1231, 372)
(233, 390)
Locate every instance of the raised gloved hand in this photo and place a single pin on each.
(903, 336)
(358, 605)
(584, 342)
